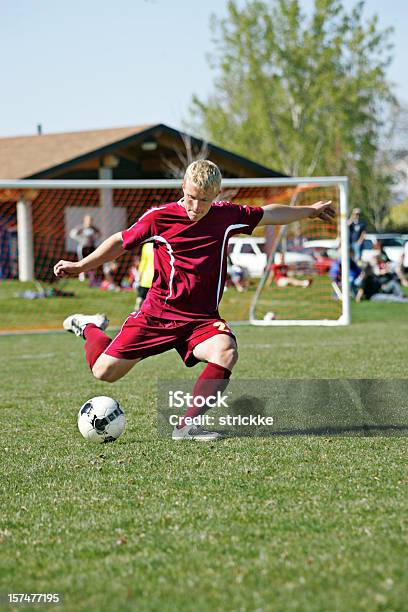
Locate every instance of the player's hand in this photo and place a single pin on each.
(323, 210)
(66, 268)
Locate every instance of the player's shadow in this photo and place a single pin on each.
(245, 407)
(250, 406)
(347, 430)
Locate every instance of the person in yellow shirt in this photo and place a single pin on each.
(146, 273)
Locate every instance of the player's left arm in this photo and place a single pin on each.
(279, 214)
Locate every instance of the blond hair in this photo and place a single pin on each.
(205, 175)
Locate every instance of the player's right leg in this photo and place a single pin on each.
(91, 328)
(110, 369)
(76, 323)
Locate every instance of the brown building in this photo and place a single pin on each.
(48, 216)
(137, 152)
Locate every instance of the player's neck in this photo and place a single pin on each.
(182, 204)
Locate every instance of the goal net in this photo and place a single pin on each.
(296, 274)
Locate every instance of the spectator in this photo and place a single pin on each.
(296, 242)
(379, 254)
(388, 278)
(86, 235)
(368, 284)
(279, 273)
(110, 270)
(371, 287)
(354, 273)
(402, 268)
(134, 273)
(237, 275)
(357, 230)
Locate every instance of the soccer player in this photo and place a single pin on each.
(181, 309)
(279, 273)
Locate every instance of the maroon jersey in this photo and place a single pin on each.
(189, 257)
(279, 271)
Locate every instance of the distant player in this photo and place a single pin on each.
(146, 272)
(279, 272)
(181, 308)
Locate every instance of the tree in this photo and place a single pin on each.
(385, 181)
(175, 168)
(303, 93)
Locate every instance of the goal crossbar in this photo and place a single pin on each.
(163, 183)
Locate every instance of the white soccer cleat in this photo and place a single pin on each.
(76, 323)
(194, 432)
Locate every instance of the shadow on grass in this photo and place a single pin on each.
(362, 430)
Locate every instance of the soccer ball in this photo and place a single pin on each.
(101, 419)
(270, 316)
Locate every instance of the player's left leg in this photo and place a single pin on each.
(220, 353)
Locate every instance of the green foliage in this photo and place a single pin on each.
(302, 93)
(398, 217)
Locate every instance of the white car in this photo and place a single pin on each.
(250, 254)
(329, 245)
(393, 245)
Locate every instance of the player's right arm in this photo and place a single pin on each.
(110, 249)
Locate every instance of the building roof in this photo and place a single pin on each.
(25, 156)
(55, 155)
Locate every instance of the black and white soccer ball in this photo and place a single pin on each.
(101, 419)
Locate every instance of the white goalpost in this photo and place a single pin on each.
(44, 210)
(342, 292)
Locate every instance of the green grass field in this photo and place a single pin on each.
(284, 523)
(18, 313)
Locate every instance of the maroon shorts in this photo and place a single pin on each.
(143, 336)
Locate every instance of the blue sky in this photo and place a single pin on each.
(87, 64)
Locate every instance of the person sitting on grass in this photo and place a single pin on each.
(402, 266)
(181, 308)
(354, 274)
(372, 287)
(279, 272)
(237, 276)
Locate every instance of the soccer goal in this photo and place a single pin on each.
(289, 275)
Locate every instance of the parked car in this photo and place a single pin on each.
(393, 245)
(324, 252)
(250, 254)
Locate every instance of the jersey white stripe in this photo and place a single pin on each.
(147, 213)
(229, 229)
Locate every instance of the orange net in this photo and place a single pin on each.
(55, 214)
